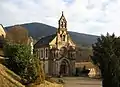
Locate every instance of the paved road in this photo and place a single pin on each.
(81, 82)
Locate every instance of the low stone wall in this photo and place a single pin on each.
(94, 71)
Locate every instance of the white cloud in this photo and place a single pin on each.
(84, 16)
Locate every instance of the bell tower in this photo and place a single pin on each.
(62, 34)
(62, 22)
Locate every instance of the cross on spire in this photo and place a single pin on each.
(62, 13)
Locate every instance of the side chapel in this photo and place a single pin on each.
(57, 51)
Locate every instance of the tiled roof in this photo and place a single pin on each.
(45, 40)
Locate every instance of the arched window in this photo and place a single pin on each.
(63, 37)
(41, 53)
(46, 53)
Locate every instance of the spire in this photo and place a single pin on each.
(62, 21)
(63, 17)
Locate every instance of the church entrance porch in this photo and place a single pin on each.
(64, 68)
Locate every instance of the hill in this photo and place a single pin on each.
(38, 30)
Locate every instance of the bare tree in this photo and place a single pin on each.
(17, 34)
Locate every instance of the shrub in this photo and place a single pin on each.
(22, 62)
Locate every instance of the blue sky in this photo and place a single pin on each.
(85, 16)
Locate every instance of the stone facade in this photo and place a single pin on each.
(57, 52)
(60, 55)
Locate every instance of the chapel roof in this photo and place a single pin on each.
(45, 40)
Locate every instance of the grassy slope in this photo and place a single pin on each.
(8, 78)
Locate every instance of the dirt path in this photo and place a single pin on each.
(81, 82)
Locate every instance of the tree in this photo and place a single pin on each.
(106, 55)
(22, 62)
(17, 34)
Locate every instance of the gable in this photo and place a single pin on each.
(53, 41)
(71, 41)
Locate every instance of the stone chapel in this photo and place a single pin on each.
(57, 52)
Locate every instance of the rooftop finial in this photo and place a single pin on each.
(62, 13)
(62, 21)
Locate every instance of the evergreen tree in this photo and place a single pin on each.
(106, 55)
